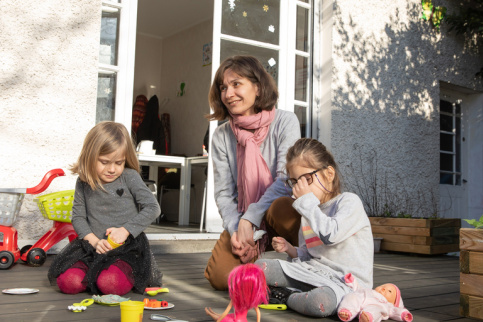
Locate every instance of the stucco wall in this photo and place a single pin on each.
(386, 67)
(48, 79)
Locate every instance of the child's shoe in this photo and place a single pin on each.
(280, 295)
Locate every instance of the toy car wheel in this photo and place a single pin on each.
(25, 249)
(36, 257)
(6, 259)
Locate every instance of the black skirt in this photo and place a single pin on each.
(135, 251)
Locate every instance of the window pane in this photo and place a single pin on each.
(445, 106)
(445, 178)
(458, 144)
(252, 19)
(302, 29)
(109, 37)
(301, 112)
(446, 123)
(446, 162)
(106, 87)
(446, 142)
(268, 57)
(301, 78)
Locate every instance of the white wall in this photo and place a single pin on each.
(147, 69)
(48, 81)
(386, 68)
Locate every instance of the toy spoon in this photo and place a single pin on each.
(154, 291)
(82, 306)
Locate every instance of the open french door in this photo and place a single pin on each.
(279, 34)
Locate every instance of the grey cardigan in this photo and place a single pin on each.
(283, 132)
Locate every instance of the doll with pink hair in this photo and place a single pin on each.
(247, 289)
(382, 303)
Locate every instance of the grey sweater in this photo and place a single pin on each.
(283, 132)
(96, 210)
(335, 238)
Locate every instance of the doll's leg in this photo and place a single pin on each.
(370, 313)
(117, 279)
(349, 307)
(221, 262)
(284, 220)
(71, 281)
(319, 302)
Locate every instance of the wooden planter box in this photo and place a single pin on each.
(420, 236)
(471, 272)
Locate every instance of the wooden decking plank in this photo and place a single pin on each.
(429, 286)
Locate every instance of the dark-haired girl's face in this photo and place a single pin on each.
(238, 94)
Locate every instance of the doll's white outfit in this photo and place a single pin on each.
(373, 303)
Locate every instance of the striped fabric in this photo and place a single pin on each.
(311, 239)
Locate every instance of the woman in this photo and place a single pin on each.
(249, 164)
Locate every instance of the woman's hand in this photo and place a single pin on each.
(281, 245)
(118, 235)
(301, 188)
(246, 253)
(245, 233)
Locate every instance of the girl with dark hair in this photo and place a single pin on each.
(335, 237)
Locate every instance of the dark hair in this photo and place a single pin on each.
(314, 155)
(250, 68)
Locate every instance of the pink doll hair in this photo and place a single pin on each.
(247, 288)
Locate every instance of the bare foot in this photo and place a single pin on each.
(209, 311)
(365, 317)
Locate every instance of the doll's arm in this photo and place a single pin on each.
(351, 281)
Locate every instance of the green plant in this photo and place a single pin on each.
(475, 223)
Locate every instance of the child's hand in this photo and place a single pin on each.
(103, 246)
(118, 235)
(301, 188)
(279, 244)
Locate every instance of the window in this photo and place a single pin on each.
(450, 143)
(116, 61)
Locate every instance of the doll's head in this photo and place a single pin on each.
(247, 287)
(392, 294)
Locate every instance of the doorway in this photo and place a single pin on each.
(173, 64)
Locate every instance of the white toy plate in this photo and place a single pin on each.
(19, 291)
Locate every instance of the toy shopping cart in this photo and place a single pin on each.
(55, 206)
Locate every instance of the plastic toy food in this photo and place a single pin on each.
(154, 303)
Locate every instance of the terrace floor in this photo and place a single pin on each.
(429, 287)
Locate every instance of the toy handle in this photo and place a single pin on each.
(46, 180)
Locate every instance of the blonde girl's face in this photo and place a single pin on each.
(306, 180)
(110, 166)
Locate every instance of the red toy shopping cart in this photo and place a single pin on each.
(55, 206)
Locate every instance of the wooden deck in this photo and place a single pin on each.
(429, 287)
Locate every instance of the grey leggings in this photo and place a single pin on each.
(312, 301)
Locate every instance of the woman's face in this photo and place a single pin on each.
(238, 94)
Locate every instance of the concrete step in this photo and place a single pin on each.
(177, 243)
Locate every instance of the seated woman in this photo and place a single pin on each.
(249, 163)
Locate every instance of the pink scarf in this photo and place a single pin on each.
(254, 177)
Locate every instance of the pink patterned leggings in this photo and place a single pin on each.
(116, 279)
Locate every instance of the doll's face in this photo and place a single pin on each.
(388, 291)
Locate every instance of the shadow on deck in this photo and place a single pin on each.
(429, 287)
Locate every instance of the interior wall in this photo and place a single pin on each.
(182, 62)
(147, 69)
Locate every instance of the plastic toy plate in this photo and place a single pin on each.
(170, 306)
(19, 291)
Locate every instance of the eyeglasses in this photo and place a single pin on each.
(291, 182)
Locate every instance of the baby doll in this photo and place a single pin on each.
(382, 303)
(247, 288)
